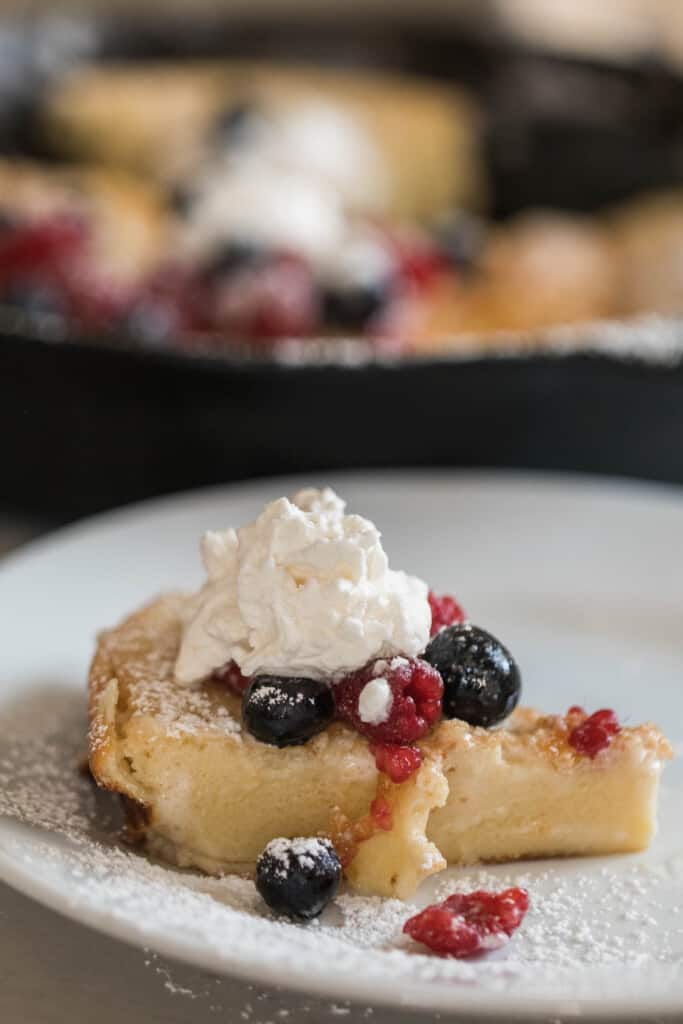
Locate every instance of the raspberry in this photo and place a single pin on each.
(381, 813)
(181, 286)
(595, 733)
(606, 719)
(232, 677)
(420, 263)
(398, 762)
(347, 835)
(468, 923)
(271, 300)
(40, 246)
(445, 611)
(93, 302)
(169, 303)
(416, 692)
(52, 258)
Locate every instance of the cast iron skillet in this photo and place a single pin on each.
(86, 426)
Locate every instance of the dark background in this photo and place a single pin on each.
(88, 426)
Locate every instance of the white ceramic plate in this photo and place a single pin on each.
(583, 580)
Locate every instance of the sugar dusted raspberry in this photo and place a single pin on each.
(468, 923)
(504, 910)
(416, 694)
(396, 761)
(576, 709)
(445, 611)
(231, 676)
(595, 733)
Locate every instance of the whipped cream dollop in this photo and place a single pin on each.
(374, 701)
(303, 590)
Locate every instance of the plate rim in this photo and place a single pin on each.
(604, 483)
(421, 995)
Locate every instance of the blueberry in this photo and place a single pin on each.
(181, 199)
(152, 322)
(481, 679)
(287, 711)
(35, 298)
(298, 877)
(232, 255)
(460, 238)
(354, 306)
(236, 124)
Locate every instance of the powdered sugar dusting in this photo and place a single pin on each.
(648, 338)
(602, 916)
(144, 652)
(276, 696)
(307, 850)
(186, 713)
(619, 913)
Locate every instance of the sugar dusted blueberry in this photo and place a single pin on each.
(287, 711)
(298, 877)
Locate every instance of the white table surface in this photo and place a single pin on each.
(54, 971)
